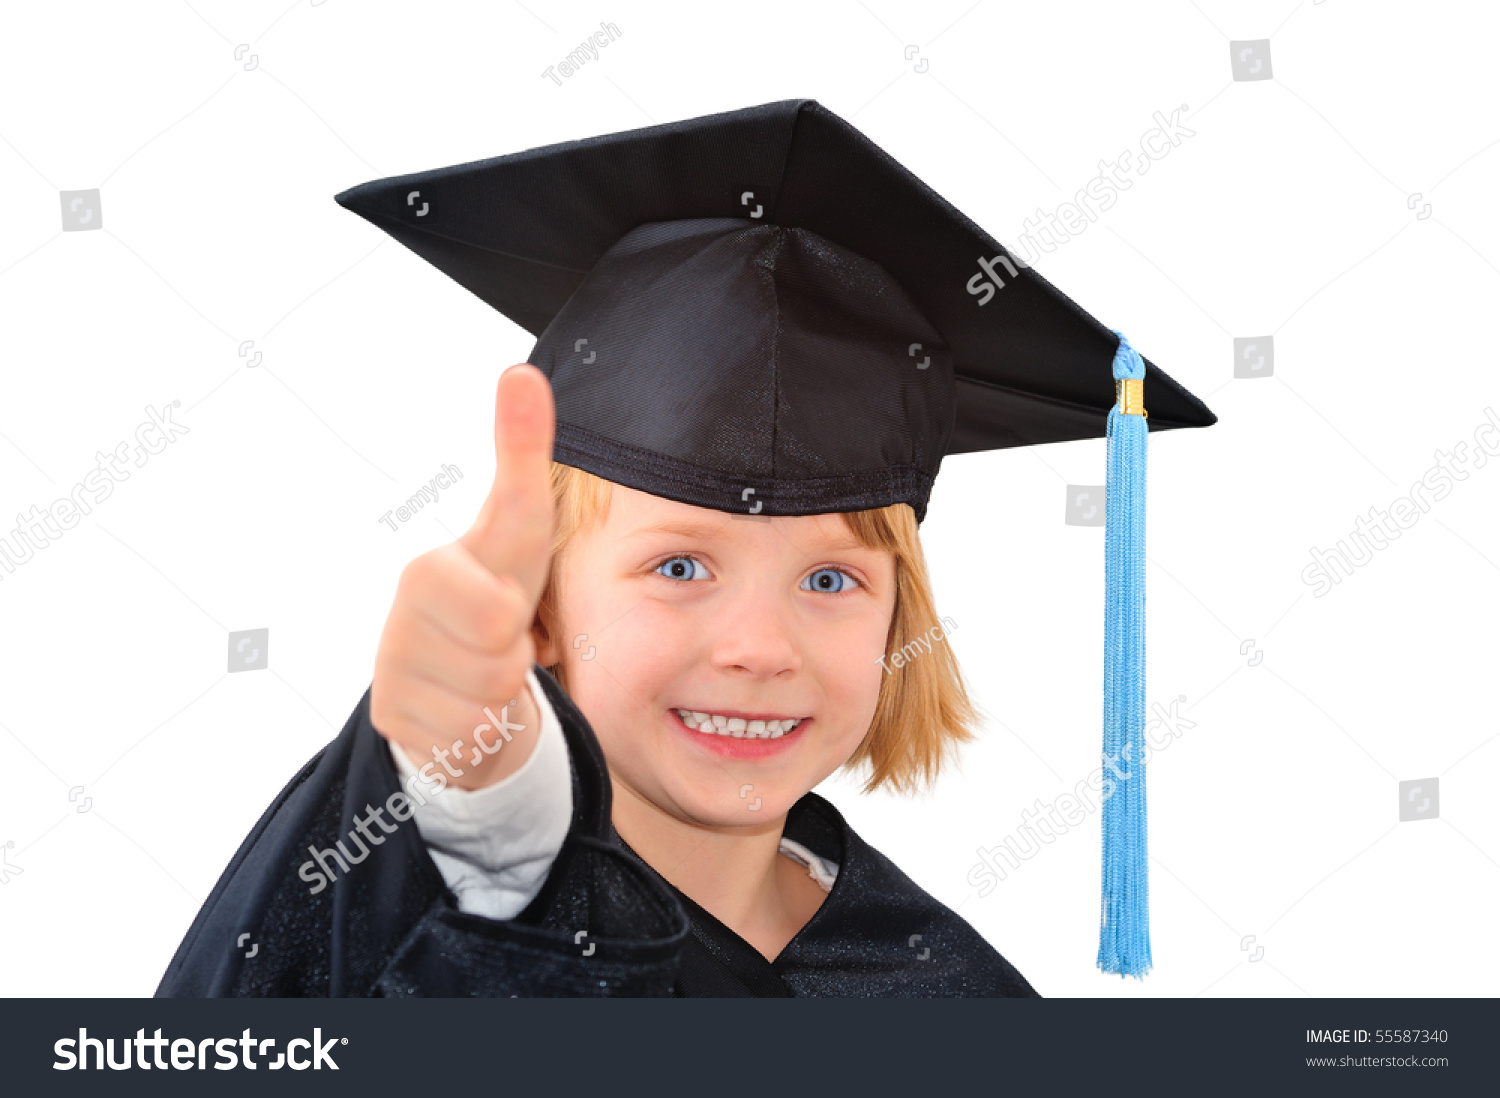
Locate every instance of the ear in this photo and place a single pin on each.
(544, 638)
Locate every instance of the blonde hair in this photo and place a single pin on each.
(923, 712)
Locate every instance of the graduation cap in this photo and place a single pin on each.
(762, 312)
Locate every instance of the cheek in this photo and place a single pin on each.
(634, 649)
(645, 644)
(863, 681)
(845, 659)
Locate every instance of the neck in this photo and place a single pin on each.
(734, 873)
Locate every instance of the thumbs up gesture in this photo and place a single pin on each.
(458, 637)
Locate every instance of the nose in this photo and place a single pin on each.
(755, 636)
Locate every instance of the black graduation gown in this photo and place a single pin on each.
(603, 924)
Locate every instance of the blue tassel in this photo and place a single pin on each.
(1124, 930)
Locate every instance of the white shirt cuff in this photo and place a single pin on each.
(495, 846)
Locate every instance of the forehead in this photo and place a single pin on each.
(640, 516)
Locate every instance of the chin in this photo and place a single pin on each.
(754, 809)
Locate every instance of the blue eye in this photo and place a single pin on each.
(682, 568)
(829, 581)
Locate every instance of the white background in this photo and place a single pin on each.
(1273, 818)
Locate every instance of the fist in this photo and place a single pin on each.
(458, 637)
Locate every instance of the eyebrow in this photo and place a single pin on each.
(691, 529)
(681, 528)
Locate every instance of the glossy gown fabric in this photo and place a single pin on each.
(603, 924)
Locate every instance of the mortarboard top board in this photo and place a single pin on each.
(761, 311)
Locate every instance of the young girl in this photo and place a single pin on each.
(756, 344)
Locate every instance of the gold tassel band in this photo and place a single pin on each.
(1128, 391)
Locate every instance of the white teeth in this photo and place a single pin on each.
(737, 727)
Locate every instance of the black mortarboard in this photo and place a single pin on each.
(761, 311)
(763, 300)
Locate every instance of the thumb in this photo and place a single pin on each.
(512, 537)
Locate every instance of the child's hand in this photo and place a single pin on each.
(458, 637)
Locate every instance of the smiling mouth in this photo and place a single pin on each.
(739, 728)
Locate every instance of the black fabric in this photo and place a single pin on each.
(722, 355)
(603, 924)
(877, 934)
(390, 926)
(762, 311)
